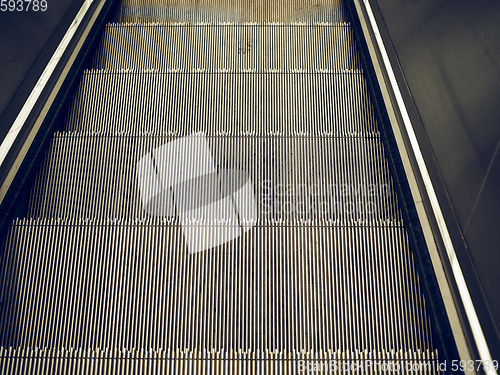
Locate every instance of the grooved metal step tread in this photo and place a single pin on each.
(116, 284)
(299, 178)
(126, 361)
(230, 47)
(215, 11)
(255, 103)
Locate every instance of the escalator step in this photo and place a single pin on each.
(132, 284)
(226, 47)
(294, 178)
(222, 103)
(237, 11)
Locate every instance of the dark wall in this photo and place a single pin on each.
(27, 41)
(449, 54)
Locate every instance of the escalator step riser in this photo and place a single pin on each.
(210, 11)
(233, 48)
(293, 178)
(133, 284)
(262, 104)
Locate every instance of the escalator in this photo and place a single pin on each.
(93, 281)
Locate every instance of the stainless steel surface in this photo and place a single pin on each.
(89, 280)
(233, 11)
(232, 47)
(80, 176)
(308, 103)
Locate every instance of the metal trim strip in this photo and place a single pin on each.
(23, 115)
(392, 86)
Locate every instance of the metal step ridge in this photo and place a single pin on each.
(242, 72)
(279, 4)
(166, 222)
(97, 175)
(231, 47)
(245, 135)
(254, 102)
(138, 287)
(144, 23)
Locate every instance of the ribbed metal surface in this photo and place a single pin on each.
(227, 47)
(123, 361)
(223, 103)
(233, 11)
(132, 284)
(91, 282)
(294, 177)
